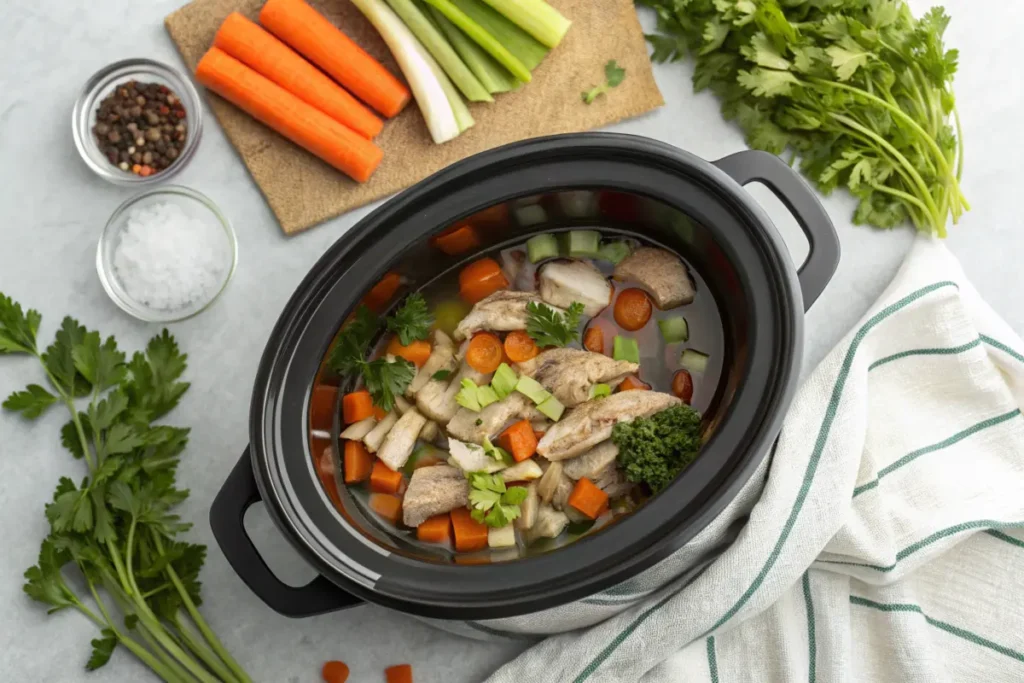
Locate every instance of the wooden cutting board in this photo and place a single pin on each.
(303, 191)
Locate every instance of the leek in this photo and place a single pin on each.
(517, 41)
(482, 38)
(536, 17)
(491, 75)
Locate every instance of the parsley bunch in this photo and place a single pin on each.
(859, 90)
(116, 530)
(548, 327)
(491, 503)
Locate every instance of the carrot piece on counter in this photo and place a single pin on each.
(457, 240)
(357, 463)
(485, 353)
(400, 673)
(480, 279)
(252, 45)
(319, 41)
(416, 353)
(593, 339)
(519, 440)
(633, 384)
(334, 672)
(588, 498)
(437, 529)
(387, 506)
(470, 534)
(378, 298)
(519, 346)
(383, 479)
(303, 124)
(322, 406)
(632, 309)
(356, 406)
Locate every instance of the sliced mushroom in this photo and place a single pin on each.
(400, 441)
(565, 282)
(661, 273)
(375, 438)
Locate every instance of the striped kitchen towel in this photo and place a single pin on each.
(887, 542)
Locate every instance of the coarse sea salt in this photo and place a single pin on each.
(169, 260)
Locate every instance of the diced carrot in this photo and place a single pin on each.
(633, 309)
(322, 406)
(593, 339)
(457, 240)
(416, 353)
(356, 406)
(379, 413)
(387, 506)
(480, 279)
(378, 298)
(334, 672)
(470, 534)
(588, 498)
(492, 216)
(358, 462)
(250, 44)
(400, 673)
(437, 529)
(633, 384)
(383, 479)
(539, 434)
(316, 38)
(484, 353)
(519, 440)
(303, 124)
(519, 346)
(682, 385)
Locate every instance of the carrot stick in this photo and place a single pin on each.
(387, 506)
(633, 384)
(322, 407)
(593, 339)
(416, 353)
(469, 534)
(519, 440)
(378, 298)
(400, 673)
(253, 46)
(457, 240)
(301, 123)
(485, 353)
(357, 462)
(383, 479)
(480, 279)
(313, 36)
(588, 498)
(334, 672)
(356, 406)
(519, 346)
(437, 529)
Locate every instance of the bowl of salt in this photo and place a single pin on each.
(166, 254)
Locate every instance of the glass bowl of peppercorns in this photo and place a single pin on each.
(137, 122)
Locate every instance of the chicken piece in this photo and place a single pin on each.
(590, 423)
(613, 481)
(550, 523)
(375, 438)
(357, 430)
(436, 399)
(470, 457)
(442, 357)
(563, 282)
(661, 273)
(433, 491)
(593, 463)
(548, 484)
(491, 419)
(398, 444)
(519, 271)
(563, 490)
(502, 311)
(526, 470)
(430, 431)
(528, 509)
(570, 373)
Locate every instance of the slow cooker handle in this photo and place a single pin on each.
(226, 517)
(823, 255)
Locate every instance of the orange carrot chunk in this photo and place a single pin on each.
(519, 346)
(334, 672)
(356, 406)
(633, 384)
(303, 124)
(387, 506)
(587, 498)
(457, 240)
(357, 463)
(378, 298)
(632, 309)
(250, 44)
(383, 479)
(485, 353)
(316, 38)
(593, 339)
(400, 673)
(379, 413)
(437, 529)
(470, 534)
(416, 353)
(519, 440)
(480, 279)
(322, 407)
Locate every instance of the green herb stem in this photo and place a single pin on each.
(204, 653)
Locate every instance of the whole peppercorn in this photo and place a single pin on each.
(140, 127)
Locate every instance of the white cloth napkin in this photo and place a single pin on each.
(886, 542)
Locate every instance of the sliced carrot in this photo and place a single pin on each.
(400, 673)
(316, 38)
(632, 309)
(437, 529)
(519, 346)
(588, 498)
(387, 506)
(470, 534)
(358, 462)
(416, 353)
(356, 406)
(383, 479)
(682, 385)
(593, 339)
(633, 384)
(334, 672)
(457, 240)
(519, 440)
(303, 124)
(250, 44)
(480, 279)
(322, 406)
(378, 298)
(492, 216)
(379, 413)
(485, 353)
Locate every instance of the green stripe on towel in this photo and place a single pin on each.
(812, 647)
(951, 351)
(712, 660)
(1007, 538)
(995, 343)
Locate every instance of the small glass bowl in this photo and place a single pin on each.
(195, 205)
(102, 83)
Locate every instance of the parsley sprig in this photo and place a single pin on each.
(115, 531)
(548, 327)
(492, 504)
(412, 321)
(613, 75)
(385, 379)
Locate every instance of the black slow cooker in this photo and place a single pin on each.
(695, 208)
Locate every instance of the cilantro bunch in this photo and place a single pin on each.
(547, 327)
(491, 503)
(115, 532)
(859, 90)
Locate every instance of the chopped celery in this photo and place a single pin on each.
(674, 329)
(694, 361)
(486, 395)
(489, 42)
(577, 203)
(530, 214)
(521, 44)
(540, 247)
(626, 348)
(504, 381)
(448, 314)
(488, 71)
(496, 453)
(600, 391)
(532, 389)
(467, 396)
(615, 251)
(536, 17)
(583, 243)
(552, 408)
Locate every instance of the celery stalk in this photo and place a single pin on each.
(525, 47)
(484, 39)
(536, 17)
(491, 75)
(462, 116)
(440, 50)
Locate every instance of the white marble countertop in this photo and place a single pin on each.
(53, 209)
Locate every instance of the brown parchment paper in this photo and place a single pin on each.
(303, 191)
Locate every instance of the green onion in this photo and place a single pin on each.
(493, 76)
(536, 17)
(525, 47)
(482, 38)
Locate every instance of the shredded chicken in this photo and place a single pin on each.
(570, 373)
(661, 273)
